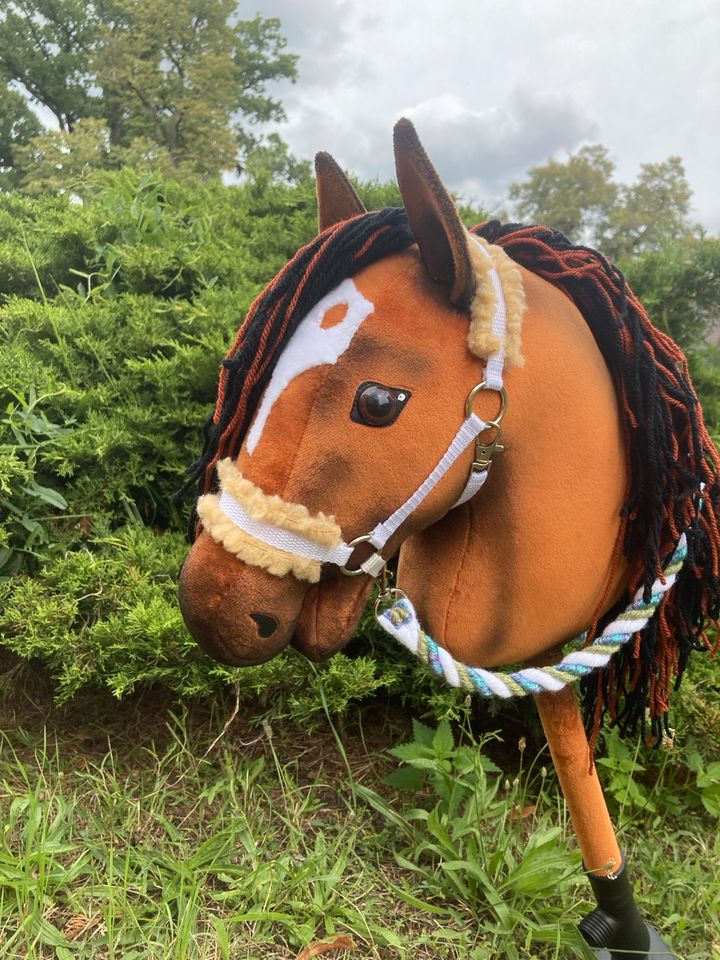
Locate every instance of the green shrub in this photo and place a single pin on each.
(40, 241)
(106, 613)
(114, 315)
(29, 507)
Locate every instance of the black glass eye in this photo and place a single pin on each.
(377, 405)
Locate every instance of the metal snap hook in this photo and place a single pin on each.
(387, 594)
(486, 450)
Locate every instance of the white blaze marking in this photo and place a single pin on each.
(312, 346)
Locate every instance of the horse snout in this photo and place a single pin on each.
(219, 597)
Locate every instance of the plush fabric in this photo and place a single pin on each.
(578, 778)
(482, 339)
(484, 580)
(437, 228)
(219, 595)
(329, 615)
(313, 344)
(336, 196)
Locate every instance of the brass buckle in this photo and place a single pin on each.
(485, 450)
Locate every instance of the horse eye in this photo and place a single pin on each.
(377, 405)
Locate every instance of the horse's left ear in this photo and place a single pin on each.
(337, 199)
(434, 220)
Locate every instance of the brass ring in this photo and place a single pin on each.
(503, 402)
(365, 538)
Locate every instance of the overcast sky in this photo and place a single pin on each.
(495, 87)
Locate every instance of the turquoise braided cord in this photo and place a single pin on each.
(401, 622)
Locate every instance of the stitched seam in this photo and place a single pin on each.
(466, 547)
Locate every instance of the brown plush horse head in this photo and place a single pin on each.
(345, 398)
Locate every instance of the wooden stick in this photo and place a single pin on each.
(565, 734)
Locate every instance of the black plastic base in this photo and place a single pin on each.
(615, 929)
(659, 950)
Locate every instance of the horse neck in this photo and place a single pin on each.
(529, 562)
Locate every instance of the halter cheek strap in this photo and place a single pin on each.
(280, 538)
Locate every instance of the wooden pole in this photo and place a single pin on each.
(565, 734)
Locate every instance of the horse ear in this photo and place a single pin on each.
(434, 220)
(337, 199)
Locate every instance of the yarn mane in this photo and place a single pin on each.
(673, 483)
(337, 253)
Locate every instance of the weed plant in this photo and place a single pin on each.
(152, 830)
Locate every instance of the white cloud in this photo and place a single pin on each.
(496, 87)
(480, 152)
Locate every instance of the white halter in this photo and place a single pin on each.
(469, 432)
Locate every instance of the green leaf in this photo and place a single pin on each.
(406, 778)
(410, 752)
(422, 734)
(47, 495)
(443, 742)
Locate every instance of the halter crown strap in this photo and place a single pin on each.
(496, 361)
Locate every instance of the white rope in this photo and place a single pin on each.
(401, 622)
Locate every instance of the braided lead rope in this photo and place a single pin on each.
(400, 621)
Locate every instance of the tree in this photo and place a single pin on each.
(651, 211)
(272, 161)
(190, 79)
(18, 124)
(575, 197)
(59, 160)
(679, 285)
(580, 198)
(44, 48)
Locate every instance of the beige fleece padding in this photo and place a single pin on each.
(481, 339)
(272, 509)
(248, 549)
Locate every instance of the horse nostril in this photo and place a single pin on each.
(266, 625)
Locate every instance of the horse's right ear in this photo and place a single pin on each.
(434, 220)
(337, 199)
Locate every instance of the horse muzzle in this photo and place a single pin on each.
(243, 615)
(239, 614)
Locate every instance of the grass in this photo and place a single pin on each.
(153, 830)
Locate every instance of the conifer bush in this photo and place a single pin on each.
(114, 316)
